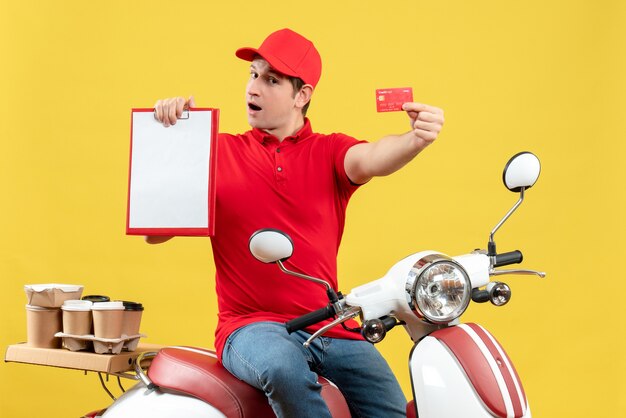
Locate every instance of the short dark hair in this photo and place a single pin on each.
(297, 84)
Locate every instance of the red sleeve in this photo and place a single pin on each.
(340, 145)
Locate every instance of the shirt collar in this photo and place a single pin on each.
(302, 134)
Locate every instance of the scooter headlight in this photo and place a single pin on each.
(438, 289)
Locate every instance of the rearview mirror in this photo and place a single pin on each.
(521, 171)
(270, 245)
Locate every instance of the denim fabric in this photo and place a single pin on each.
(265, 356)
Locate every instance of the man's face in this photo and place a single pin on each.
(270, 97)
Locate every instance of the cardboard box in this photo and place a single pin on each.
(51, 295)
(59, 357)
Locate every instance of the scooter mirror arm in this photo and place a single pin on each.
(492, 245)
(332, 295)
(350, 313)
(541, 274)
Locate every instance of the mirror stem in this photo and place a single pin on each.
(304, 276)
(492, 245)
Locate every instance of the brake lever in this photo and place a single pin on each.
(541, 274)
(347, 314)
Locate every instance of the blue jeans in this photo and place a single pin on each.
(265, 356)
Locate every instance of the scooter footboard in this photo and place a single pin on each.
(463, 371)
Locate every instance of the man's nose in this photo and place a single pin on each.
(252, 88)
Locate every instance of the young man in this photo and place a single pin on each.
(282, 175)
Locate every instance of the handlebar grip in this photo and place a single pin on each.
(512, 257)
(480, 296)
(311, 318)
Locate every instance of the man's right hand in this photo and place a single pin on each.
(168, 111)
(154, 239)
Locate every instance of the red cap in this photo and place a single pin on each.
(288, 53)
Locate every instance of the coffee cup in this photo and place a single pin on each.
(94, 299)
(41, 325)
(77, 318)
(132, 317)
(108, 319)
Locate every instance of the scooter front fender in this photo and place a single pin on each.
(463, 371)
(140, 402)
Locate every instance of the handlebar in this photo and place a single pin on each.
(512, 257)
(309, 319)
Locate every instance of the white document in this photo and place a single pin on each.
(170, 174)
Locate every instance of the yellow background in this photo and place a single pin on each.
(545, 76)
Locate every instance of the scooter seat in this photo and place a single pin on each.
(198, 373)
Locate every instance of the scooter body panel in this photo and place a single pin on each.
(445, 386)
(139, 402)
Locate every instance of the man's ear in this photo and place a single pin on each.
(304, 96)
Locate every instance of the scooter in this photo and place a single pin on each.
(456, 369)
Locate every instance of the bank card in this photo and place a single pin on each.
(391, 100)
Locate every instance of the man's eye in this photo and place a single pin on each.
(253, 75)
(273, 80)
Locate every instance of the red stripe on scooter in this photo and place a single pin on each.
(519, 381)
(521, 387)
(476, 367)
(509, 373)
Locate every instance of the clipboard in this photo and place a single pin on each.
(171, 181)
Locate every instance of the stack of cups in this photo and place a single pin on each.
(108, 319)
(41, 325)
(77, 317)
(43, 312)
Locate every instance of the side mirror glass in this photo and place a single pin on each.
(521, 171)
(270, 245)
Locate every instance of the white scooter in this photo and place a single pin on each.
(456, 369)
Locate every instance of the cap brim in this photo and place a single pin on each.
(248, 54)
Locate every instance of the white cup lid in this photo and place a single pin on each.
(77, 305)
(108, 306)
